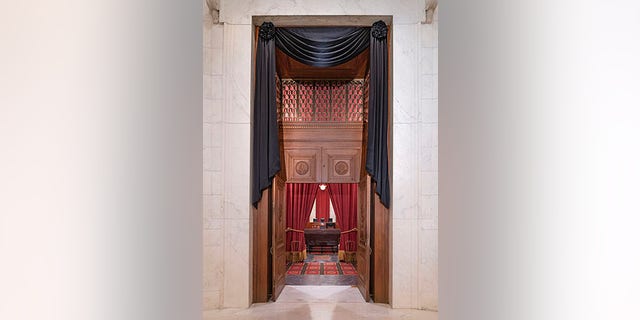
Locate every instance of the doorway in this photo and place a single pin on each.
(322, 127)
(321, 234)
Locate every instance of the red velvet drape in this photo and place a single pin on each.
(344, 197)
(300, 198)
(322, 205)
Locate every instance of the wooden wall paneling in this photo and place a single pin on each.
(261, 263)
(381, 245)
(341, 165)
(278, 249)
(303, 164)
(322, 133)
(363, 252)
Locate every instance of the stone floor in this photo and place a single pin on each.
(320, 302)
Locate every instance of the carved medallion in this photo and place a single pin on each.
(341, 168)
(302, 168)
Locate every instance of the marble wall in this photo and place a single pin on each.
(226, 150)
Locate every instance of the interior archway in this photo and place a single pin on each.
(298, 142)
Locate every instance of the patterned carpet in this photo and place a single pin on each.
(322, 268)
(321, 257)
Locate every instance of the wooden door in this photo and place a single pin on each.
(363, 254)
(278, 244)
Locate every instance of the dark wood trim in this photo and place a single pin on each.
(380, 258)
(261, 237)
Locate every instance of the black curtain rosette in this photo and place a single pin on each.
(319, 47)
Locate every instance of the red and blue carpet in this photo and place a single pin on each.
(322, 268)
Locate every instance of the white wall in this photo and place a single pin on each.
(226, 150)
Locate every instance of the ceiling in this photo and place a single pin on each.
(289, 68)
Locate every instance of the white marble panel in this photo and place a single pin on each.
(426, 86)
(216, 62)
(428, 158)
(207, 61)
(216, 87)
(428, 111)
(207, 86)
(207, 161)
(237, 141)
(207, 110)
(435, 86)
(212, 110)
(207, 182)
(216, 183)
(211, 300)
(428, 135)
(207, 135)
(429, 183)
(435, 35)
(405, 73)
(405, 259)
(428, 266)
(237, 201)
(216, 159)
(429, 210)
(213, 237)
(216, 134)
(240, 12)
(236, 263)
(217, 36)
(426, 61)
(206, 34)
(212, 263)
(236, 170)
(405, 167)
(435, 60)
(211, 209)
(237, 57)
(428, 36)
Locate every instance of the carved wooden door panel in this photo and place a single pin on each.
(278, 248)
(363, 254)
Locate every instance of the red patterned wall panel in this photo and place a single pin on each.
(305, 102)
(289, 100)
(322, 91)
(322, 101)
(365, 98)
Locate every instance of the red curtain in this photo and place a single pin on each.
(344, 197)
(300, 198)
(322, 205)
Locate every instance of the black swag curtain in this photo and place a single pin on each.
(320, 47)
(266, 151)
(377, 151)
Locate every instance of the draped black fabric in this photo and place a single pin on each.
(266, 150)
(322, 46)
(377, 151)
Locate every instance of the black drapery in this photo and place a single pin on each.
(266, 149)
(377, 151)
(320, 47)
